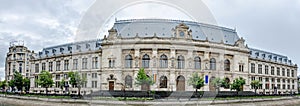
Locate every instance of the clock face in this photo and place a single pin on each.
(181, 33)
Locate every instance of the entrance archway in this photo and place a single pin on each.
(211, 85)
(111, 85)
(145, 86)
(180, 83)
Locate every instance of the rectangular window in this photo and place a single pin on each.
(50, 66)
(95, 62)
(75, 64)
(278, 86)
(267, 86)
(278, 71)
(259, 69)
(112, 64)
(241, 68)
(57, 83)
(94, 75)
(283, 86)
(252, 68)
(57, 65)
(57, 77)
(267, 79)
(266, 69)
(84, 63)
(43, 66)
(293, 74)
(66, 65)
(37, 68)
(272, 70)
(94, 84)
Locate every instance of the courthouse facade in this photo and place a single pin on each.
(169, 51)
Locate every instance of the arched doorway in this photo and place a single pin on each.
(111, 82)
(163, 82)
(180, 83)
(227, 81)
(145, 86)
(211, 85)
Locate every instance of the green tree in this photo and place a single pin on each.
(62, 84)
(255, 84)
(18, 80)
(196, 81)
(45, 80)
(26, 83)
(11, 84)
(3, 84)
(217, 83)
(76, 80)
(225, 83)
(143, 80)
(238, 84)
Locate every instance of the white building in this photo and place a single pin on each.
(169, 50)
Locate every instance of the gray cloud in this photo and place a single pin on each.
(269, 24)
(39, 24)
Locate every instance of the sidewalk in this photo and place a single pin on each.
(23, 100)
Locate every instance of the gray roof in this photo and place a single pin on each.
(163, 28)
(264, 55)
(69, 48)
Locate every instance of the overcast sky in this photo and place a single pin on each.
(272, 25)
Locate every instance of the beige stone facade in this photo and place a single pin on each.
(169, 61)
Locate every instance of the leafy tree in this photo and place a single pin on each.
(225, 83)
(3, 84)
(11, 84)
(62, 84)
(76, 80)
(45, 80)
(26, 83)
(143, 80)
(18, 80)
(255, 84)
(196, 81)
(238, 84)
(217, 83)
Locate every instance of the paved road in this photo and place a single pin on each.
(49, 102)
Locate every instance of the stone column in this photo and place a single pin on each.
(136, 57)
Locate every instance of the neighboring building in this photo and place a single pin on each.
(18, 59)
(170, 51)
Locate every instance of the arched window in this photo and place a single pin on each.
(197, 61)
(163, 81)
(110, 63)
(128, 81)
(145, 61)
(128, 61)
(163, 61)
(227, 83)
(227, 65)
(212, 64)
(180, 63)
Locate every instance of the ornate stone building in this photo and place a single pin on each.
(169, 51)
